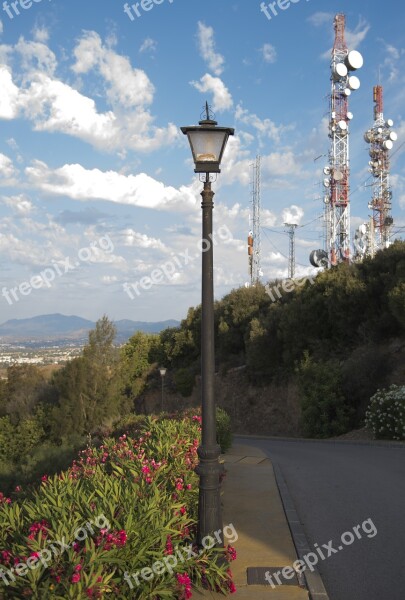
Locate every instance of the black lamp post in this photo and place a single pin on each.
(162, 375)
(208, 142)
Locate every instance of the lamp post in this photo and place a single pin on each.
(162, 374)
(208, 142)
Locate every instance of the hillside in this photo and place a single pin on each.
(62, 327)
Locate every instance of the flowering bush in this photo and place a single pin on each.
(385, 415)
(54, 544)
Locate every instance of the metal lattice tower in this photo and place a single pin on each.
(381, 138)
(337, 204)
(291, 254)
(254, 241)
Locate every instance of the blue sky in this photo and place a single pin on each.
(97, 186)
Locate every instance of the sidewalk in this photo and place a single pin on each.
(251, 502)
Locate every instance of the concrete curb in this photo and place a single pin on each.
(313, 579)
(274, 438)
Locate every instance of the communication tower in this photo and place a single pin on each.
(336, 181)
(381, 139)
(254, 241)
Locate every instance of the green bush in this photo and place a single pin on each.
(184, 380)
(224, 430)
(385, 415)
(325, 410)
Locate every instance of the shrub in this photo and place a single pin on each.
(118, 509)
(224, 430)
(325, 410)
(385, 415)
(184, 380)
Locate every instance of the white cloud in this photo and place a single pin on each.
(206, 44)
(222, 99)
(9, 97)
(265, 127)
(36, 56)
(127, 86)
(82, 184)
(41, 34)
(141, 240)
(356, 37)
(319, 19)
(20, 204)
(148, 45)
(7, 170)
(269, 53)
(293, 214)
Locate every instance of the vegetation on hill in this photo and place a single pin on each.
(331, 336)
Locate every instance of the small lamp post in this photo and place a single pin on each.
(208, 142)
(162, 374)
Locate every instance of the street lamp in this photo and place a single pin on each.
(208, 142)
(162, 374)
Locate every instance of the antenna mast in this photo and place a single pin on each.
(336, 182)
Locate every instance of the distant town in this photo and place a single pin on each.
(23, 354)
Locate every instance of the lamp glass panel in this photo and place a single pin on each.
(207, 145)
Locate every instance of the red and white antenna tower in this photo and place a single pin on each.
(336, 182)
(381, 139)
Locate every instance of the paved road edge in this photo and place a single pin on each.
(313, 579)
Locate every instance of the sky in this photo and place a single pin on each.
(99, 204)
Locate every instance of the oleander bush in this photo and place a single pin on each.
(385, 415)
(118, 509)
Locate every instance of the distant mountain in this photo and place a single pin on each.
(59, 328)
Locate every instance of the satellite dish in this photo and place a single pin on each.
(390, 122)
(326, 199)
(339, 70)
(354, 60)
(393, 136)
(368, 137)
(318, 258)
(326, 182)
(337, 175)
(353, 82)
(380, 130)
(347, 92)
(326, 171)
(388, 145)
(350, 116)
(342, 125)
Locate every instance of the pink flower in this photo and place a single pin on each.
(184, 583)
(5, 555)
(75, 577)
(231, 553)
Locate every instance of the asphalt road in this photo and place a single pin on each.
(336, 487)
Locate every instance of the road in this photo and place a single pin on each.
(337, 486)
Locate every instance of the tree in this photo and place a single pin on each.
(25, 387)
